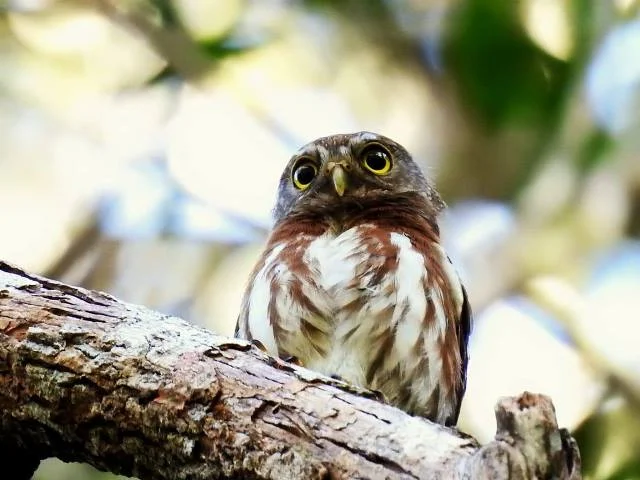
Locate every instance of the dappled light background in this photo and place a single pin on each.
(141, 142)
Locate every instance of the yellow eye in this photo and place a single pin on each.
(376, 159)
(303, 174)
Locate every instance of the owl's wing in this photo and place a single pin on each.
(236, 332)
(256, 318)
(242, 323)
(242, 326)
(464, 330)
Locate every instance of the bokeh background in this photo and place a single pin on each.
(141, 142)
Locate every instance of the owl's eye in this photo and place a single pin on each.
(303, 174)
(376, 159)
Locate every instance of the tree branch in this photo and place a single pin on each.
(87, 378)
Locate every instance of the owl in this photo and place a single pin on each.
(353, 281)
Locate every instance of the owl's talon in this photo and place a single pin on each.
(259, 344)
(293, 360)
(379, 396)
(335, 376)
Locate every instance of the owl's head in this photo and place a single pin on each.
(350, 169)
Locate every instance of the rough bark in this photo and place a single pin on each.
(87, 378)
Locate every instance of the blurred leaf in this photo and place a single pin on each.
(500, 73)
(594, 150)
(168, 73)
(369, 9)
(167, 11)
(220, 48)
(629, 471)
(610, 441)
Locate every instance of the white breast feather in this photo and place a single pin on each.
(409, 286)
(333, 261)
(410, 279)
(334, 258)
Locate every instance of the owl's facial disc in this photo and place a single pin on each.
(373, 159)
(355, 170)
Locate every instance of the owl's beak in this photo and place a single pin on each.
(339, 178)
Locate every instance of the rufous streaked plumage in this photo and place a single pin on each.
(354, 282)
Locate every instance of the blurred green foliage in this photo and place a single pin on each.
(500, 73)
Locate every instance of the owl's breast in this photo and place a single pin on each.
(339, 269)
(312, 288)
(340, 295)
(365, 304)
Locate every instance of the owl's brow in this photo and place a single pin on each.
(363, 137)
(310, 150)
(314, 151)
(335, 152)
(323, 152)
(326, 147)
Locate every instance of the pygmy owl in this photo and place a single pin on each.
(353, 281)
